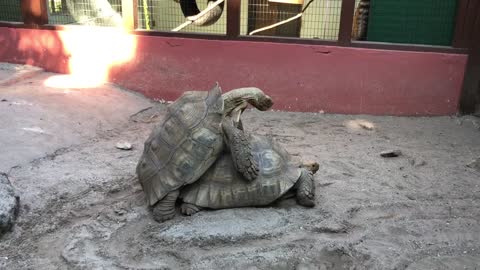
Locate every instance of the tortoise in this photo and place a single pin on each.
(189, 140)
(223, 187)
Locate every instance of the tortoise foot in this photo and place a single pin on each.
(160, 217)
(165, 209)
(306, 189)
(189, 209)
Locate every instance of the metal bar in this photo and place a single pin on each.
(290, 40)
(233, 18)
(346, 22)
(459, 40)
(407, 47)
(34, 11)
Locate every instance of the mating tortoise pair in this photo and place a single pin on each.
(200, 153)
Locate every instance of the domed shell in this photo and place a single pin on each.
(184, 145)
(223, 187)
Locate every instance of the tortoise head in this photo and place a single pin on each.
(214, 99)
(263, 102)
(311, 166)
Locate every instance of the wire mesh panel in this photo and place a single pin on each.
(320, 19)
(85, 12)
(429, 22)
(166, 15)
(10, 11)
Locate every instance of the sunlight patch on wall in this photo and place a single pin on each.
(92, 52)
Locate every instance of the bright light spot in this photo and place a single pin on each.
(360, 124)
(92, 52)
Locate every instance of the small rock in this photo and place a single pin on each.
(120, 212)
(8, 204)
(476, 124)
(124, 146)
(474, 164)
(366, 125)
(421, 163)
(412, 161)
(4, 100)
(391, 153)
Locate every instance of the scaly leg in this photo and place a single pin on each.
(240, 149)
(306, 189)
(165, 209)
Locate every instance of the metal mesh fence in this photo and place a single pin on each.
(10, 11)
(166, 15)
(429, 22)
(321, 20)
(85, 12)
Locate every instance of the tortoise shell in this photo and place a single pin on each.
(184, 145)
(223, 187)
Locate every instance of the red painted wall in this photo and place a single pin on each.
(297, 77)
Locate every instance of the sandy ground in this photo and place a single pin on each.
(83, 208)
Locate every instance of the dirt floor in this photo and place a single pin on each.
(83, 208)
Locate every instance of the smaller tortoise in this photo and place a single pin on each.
(223, 187)
(189, 140)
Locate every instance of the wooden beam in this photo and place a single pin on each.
(346, 22)
(459, 39)
(34, 11)
(233, 18)
(470, 99)
(130, 14)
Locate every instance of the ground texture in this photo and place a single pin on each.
(81, 206)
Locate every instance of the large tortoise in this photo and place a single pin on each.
(223, 187)
(188, 141)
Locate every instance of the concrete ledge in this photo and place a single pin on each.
(299, 77)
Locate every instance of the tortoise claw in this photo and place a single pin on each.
(189, 209)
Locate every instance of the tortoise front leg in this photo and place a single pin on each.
(165, 209)
(306, 189)
(241, 150)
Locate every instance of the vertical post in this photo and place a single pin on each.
(346, 22)
(233, 18)
(470, 98)
(130, 14)
(459, 40)
(34, 11)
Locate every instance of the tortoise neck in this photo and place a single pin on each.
(236, 97)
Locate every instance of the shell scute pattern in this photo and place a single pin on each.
(223, 187)
(184, 145)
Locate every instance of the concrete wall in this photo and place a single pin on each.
(298, 77)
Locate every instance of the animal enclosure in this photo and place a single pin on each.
(427, 22)
(441, 26)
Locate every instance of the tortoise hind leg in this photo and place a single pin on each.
(306, 189)
(189, 209)
(165, 209)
